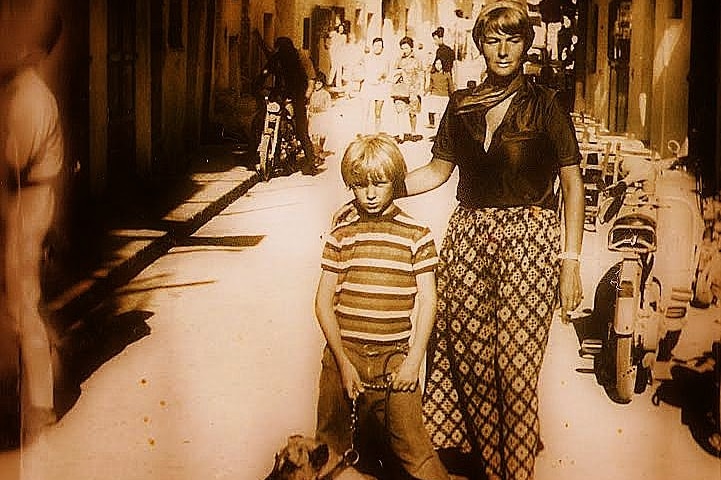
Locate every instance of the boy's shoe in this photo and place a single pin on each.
(416, 138)
(407, 137)
(399, 139)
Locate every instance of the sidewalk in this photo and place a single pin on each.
(140, 230)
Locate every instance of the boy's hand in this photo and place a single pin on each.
(351, 380)
(406, 378)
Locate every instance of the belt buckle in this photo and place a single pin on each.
(370, 350)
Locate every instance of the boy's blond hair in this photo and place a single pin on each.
(372, 158)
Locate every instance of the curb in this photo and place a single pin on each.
(92, 292)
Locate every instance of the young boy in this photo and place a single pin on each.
(375, 268)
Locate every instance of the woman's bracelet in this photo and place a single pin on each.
(569, 256)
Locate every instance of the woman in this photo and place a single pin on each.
(338, 40)
(406, 90)
(438, 91)
(500, 268)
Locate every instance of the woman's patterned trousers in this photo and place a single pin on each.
(497, 289)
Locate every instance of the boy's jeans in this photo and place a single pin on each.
(402, 415)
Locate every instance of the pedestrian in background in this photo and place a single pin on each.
(439, 88)
(31, 160)
(406, 90)
(319, 121)
(338, 39)
(375, 88)
(443, 51)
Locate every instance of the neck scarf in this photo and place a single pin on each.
(487, 95)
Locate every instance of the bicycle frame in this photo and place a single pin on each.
(278, 145)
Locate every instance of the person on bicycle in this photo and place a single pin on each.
(293, 78)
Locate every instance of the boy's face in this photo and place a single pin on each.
(374, 196)
(318, 85)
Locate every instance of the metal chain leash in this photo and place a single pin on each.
(351, 456)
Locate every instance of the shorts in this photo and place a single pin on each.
(405, 104)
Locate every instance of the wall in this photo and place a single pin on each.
(174, 80)
(597, 85)
(143, 77)
(198, 72)
(98, 105)
(641, 70)
(659, 68)
(670, 71)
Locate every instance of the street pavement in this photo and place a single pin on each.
(210, 356)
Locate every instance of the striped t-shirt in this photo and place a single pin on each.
(377, 260)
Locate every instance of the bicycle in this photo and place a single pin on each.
(278, 147)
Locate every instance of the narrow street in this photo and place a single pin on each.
(229, 367)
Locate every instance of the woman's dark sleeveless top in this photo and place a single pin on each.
(535, 139)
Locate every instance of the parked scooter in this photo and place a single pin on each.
(642, 301)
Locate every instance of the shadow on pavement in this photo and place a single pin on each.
(80, 352)
(84, 348)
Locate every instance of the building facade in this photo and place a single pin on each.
(141, 82)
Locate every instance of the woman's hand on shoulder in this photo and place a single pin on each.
(344, 214)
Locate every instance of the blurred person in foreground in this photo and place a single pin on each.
(31, 159)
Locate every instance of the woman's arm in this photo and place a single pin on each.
(431, 175)
(573, 211)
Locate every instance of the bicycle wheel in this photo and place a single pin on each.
(264, 154)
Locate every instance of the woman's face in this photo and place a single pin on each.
(406, 49)
(503, 53)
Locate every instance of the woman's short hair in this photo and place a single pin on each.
(407, 41)
(508, 20)
(438, 32)
(371, 158)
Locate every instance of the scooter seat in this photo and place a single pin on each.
(633, 233)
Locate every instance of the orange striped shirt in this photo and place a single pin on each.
(377, 260)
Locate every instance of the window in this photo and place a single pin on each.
(676, 12)
(306, 33)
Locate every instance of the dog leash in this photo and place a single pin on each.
(351, 456)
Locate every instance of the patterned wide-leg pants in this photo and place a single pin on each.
(497, 288)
